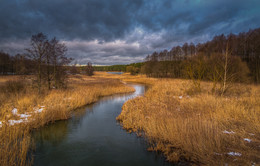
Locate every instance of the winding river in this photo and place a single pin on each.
(93, 137)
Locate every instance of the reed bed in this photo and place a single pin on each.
(23, 109)
(199, 128)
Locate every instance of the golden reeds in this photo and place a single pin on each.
(202, 128)
(48, 107)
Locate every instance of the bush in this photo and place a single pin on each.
(14, 86)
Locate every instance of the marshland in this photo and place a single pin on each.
(129, 82)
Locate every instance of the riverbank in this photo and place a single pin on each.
(22, 109)
(93, 137)
(201, 128)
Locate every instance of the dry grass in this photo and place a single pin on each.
(194, 127)
(56, 105)
(182, 126)
(15, 142)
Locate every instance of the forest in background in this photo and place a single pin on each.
(133, 68)
(202, 61)
(207, 61)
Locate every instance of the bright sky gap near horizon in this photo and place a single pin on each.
(108, 32)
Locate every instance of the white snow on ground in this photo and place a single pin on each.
(180, 97)
(24, 115)
(0, 124)
(36, 110)
(12, 122)
(219, 154)
(247, 139)
(228, 132)
(14, 111)
(234, 154)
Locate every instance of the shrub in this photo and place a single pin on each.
(14, 86)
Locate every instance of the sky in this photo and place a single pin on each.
(107, 32)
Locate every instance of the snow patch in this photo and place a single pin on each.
(24, 115)
(219, 154)
(12, 122)
(180, 97)
(1, 124)
(247, 140)
(36, 110)
(14, 111)
(228, 132)
(234, 154)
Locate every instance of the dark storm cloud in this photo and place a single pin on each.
(122, 31)
(66, 18)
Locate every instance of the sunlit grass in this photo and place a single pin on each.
(202, 128)
(46, 108)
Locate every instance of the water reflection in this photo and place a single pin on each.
(52, 134)
(93, 137)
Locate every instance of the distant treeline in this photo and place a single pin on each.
(133, 68)
(238, 52)
(18, 64)
(22, 64)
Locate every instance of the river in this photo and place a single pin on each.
(93, 137)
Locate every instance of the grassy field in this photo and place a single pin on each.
(201, 128)
(22, 109)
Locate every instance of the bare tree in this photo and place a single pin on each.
(50, 59)
(37, 52)
(58, 60)
(89, 69)
(224, 85)
(195, 70)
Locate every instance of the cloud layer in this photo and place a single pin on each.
(122, 31)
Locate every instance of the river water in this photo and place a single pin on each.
(93, 137)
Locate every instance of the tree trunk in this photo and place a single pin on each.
(39, 76)
(225, 72)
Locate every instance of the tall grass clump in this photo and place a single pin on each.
(15, 143)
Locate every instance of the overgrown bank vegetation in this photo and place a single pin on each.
(200, 128)
(23, 109)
